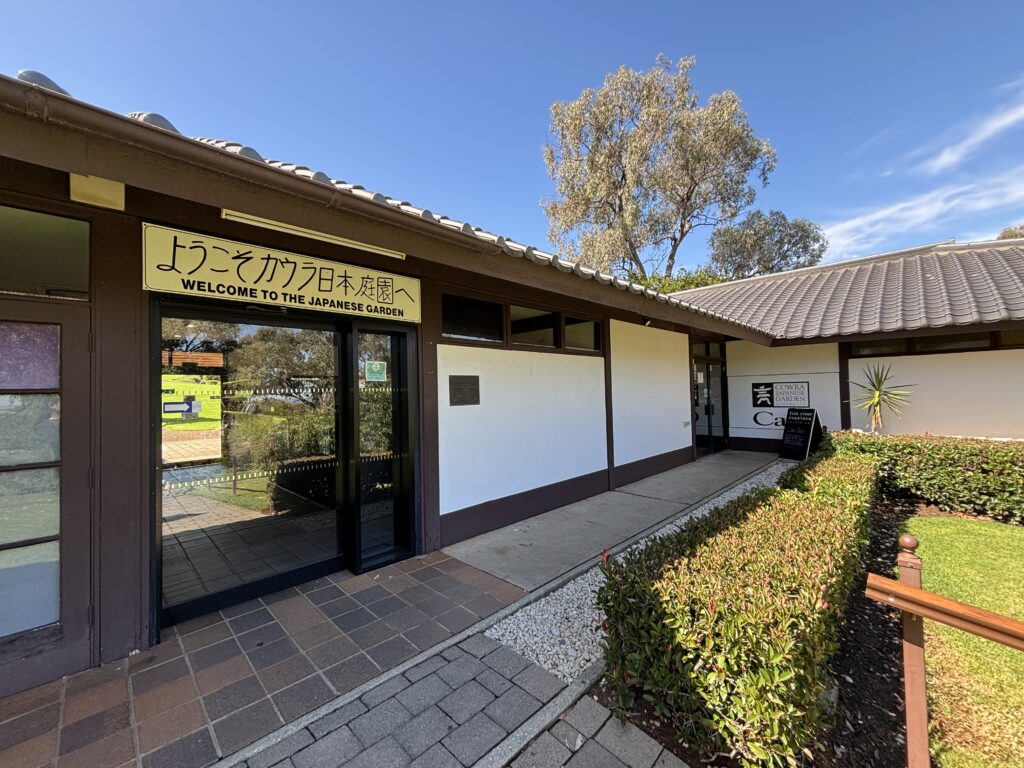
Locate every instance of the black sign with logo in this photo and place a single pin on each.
(802, 434)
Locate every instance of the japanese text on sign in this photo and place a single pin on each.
(182, 262)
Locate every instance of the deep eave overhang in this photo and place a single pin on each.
(73, 136)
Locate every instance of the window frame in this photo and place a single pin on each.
(50, 207)
(506, 303)
(995, 342)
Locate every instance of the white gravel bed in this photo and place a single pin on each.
(561, 631)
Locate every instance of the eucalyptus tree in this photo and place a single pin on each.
(640, 162)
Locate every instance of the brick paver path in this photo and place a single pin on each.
(446, 712)
(587, 736)
(218, 683)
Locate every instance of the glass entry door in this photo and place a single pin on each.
(249, 473)
(285, 454)
(709, 405)
(382, 452)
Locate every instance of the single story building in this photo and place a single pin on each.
(221, 375)
(946, 319)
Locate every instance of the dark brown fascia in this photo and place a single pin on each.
(942, 330)
(72, 136)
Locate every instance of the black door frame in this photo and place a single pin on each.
(407, 414)
(706, 360)
(344, 328)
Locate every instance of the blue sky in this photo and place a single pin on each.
(895, 124)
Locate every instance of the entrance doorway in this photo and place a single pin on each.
(710, 415)
(284, 450)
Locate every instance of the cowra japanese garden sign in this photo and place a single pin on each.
(175, 261)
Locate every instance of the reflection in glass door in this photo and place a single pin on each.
(709, 424)
(249, 456)
(382, 449)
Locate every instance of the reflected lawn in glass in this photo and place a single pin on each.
(29, 504)
(29, 429)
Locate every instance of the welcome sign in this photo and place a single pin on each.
(191, 264)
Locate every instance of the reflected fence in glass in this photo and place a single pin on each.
(248, 438)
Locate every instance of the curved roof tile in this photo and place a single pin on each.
(933, 286)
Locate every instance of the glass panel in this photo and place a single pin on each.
(533, 326)
(882, 347)
(716, 401)
(951, 343)
(380, 453)
(714, 349)
(701, 410)
(29, 504)
(29, 587)
(472, 319)
(1011, 338)
(29, 356)
(29, 429)
(698, 348)
(249, 453)
(43, 255)
(582, 334)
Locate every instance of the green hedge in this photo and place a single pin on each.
(725, 627)
(983, 477)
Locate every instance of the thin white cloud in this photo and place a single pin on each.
(873, 230)
(1005, 118)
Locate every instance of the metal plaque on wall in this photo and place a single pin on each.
(464, 390)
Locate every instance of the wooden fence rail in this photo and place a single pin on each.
(917, 605)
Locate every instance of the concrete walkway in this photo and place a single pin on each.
(535, 551)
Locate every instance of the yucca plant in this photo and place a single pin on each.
(877, 393)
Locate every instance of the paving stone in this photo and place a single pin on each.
(474, 739)
(466, 701)
(424, 693)
(436, 757)
(371, 634)
(337, 718)
(461, 671)
(405, 618)
(512, 708)
(246, 726)
(493, 682)
(352, 620)
(427, 635)
(453, 652)
(505, 662)
(272, 653)
(384, 754)
(628, 743)
(284, 749)
(593, 755)
(567, 735)
(196, 749)
(457, 619)
(386, 606)
(479, 645)
(424, 730)
(330, 751)
(545, 752)
(392, 652)
(424, 668)
(302, 697)
(538, 682)
(333, 651)
(371, 594)
(351, 673)
(384, 691)
(379, 722)
(250, 620)
(667, 760)
(233, 697)
(587, 716)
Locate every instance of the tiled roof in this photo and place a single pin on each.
(933, 286)
(509, 247)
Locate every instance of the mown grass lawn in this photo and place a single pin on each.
(975, 686)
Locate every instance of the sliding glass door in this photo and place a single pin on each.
(285, 453)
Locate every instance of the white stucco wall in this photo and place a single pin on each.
(651, 410)
(748, 363)
(973, 394)
(541, 419)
